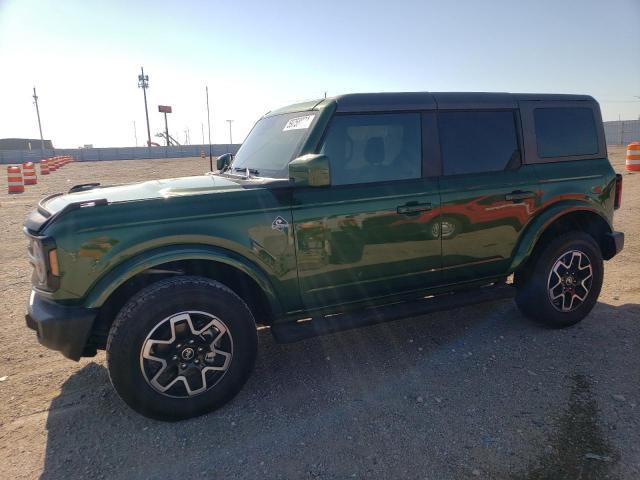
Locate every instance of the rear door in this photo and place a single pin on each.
(374, 231)
(488, 195)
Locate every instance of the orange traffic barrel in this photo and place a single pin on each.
(44, 167)
(29, 173)
(53, 164)
(14, 177)
(633, 157)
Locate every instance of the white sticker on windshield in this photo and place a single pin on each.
(299, 123)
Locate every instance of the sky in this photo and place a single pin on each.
(84, 58)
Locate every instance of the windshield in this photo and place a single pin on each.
(272, 143)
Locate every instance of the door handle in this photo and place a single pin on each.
(518, 195)
(413, 208)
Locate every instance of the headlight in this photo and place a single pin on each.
(44, 259)
(36, 257)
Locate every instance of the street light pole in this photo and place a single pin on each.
(166, 128)
(230, 136)
(143, 82)
(35, 101)
(135, 132)
(209, 127)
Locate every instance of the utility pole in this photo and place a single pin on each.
(209, 127)
(143, 83)
(35, 101)
(135, 132)
(230, 136)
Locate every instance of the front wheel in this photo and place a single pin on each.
(181, 347)
(563, 281)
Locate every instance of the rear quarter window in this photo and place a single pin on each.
(565, 131)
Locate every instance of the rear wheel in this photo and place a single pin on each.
(562, 282)
(181, 347)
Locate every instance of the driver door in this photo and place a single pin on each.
(374, 232)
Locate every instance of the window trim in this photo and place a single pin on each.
(531, 156)
(383, 112)
(517, 124)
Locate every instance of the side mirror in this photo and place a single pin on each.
(224, 161)
(310, 170)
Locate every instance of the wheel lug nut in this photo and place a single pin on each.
(196, 362)
(175, 357)
(191, 342)
(178, 346)
(183, 365)
(200, 349)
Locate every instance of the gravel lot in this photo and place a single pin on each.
(477, 392)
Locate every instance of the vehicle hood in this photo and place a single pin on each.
(171, 187)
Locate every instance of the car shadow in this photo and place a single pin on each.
(448, 393)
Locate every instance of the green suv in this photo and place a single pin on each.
(334, 214)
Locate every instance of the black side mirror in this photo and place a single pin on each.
(224, 161)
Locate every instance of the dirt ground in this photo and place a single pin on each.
(477, 392)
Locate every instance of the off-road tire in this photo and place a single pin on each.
(147, 309)
(532, 284)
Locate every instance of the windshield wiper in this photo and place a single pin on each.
(247, 171)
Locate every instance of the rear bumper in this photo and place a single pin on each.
(612, 245)
(59, 327)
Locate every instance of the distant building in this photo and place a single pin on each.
(23, 144)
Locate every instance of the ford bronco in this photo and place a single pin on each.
(333, 214)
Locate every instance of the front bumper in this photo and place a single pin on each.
(612, 245)
(59, 327)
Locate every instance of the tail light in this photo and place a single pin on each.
(618, 198)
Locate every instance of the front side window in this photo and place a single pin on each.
(374, 148)
(474, 142)
(565, 131)
(272, 143)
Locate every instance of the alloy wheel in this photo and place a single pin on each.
(186, 354)
(570, 281)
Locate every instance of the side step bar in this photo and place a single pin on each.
(295, 331)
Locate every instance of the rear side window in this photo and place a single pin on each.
(473, 142)
(565, 131)
(374, 148)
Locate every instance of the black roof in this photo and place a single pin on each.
(359, 102)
